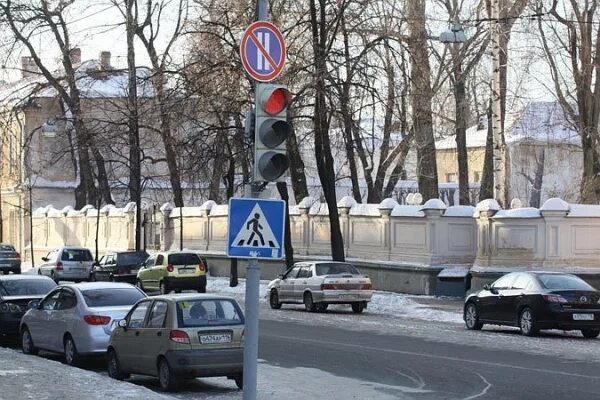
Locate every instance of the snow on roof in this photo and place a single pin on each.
(370, 210)
(525, 212)
(219, 210)
(584, 210)
(538, 121)
(407, 211)
(459, 211)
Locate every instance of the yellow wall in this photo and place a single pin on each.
(447, 163)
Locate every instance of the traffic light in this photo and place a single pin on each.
(272, 130)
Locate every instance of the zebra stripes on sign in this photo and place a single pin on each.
(263, 51)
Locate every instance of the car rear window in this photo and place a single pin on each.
(6, 247)
(76, 255)
(197, 313)
(26, 287)
(111, 297)
(132, 258)
(184, 259)
(336, 268)
(563, 282)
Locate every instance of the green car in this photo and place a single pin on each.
(178, 337)
(173, 270)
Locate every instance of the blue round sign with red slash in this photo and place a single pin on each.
(263, 51)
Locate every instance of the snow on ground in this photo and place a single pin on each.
(385, 303)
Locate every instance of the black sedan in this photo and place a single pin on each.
(118, 266)
(536, 300)
(10, 259)
(16, 291)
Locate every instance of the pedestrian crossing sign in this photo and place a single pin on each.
(256, 228)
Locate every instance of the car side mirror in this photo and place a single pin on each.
(95, 264)
(45, 259)
(123, 324)
(280, 276)
(33, 304)
(487, 287)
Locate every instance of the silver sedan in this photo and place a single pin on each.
(76, 319)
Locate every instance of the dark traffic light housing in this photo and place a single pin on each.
(272, 130)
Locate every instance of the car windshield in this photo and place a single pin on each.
(563, 282)
(184, 259)
(336, 268)
(76, 255)
(214, 312)
(6, 247)
(26, 287)
(132, 258)
(112, 297)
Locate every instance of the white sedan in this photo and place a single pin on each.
(320, 283)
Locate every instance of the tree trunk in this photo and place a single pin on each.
(460, 102)
(289, 249)
(421, 98)
(349, 142)
(103, 185)
(536, 195)
(486, 190)
(324, 157)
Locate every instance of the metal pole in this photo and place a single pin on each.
(31, 227)
(181, 228)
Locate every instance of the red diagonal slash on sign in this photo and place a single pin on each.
(264, 51)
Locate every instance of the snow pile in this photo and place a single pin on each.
(459, 211)
(584, 210)
(526, 212)
(368, 210)
(407, 211)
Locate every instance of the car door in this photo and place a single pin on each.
(126, 340)
(286, 286)
(49, 263)
(158, 270)
(38, 319)
(493, 302)
(515, 296)
(302, 281)
(100, 269)
(151, 337)
(145, 273)
(62, 319)
(110, 266)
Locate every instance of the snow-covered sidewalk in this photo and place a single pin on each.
(383, 303)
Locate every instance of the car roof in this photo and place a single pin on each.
(323, 262)
(73, 248)
(7, 244)
(19, 277)
(125, 251)
(192, 296)
(97, 285)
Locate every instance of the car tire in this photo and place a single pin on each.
(239, 381)
(527, 323)
(163, 288)
(309, 305)
(27, 343)
(322, 307)
(471, 317)
(140, 285)
(202, 289)
(590, 333)
(17, 271)
(71, 354)
(358, 307)
(114, 367)
(274, 300)
(5, 272)
(166, 377)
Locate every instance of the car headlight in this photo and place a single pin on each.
(10, 308)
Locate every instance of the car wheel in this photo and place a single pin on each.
(239, 381)
(309, 305)
(27, 343)
(202, 289)
(114, 367)
(166, 377)
(590, 333)
(17, 271)
(5, 272)
(139, 284)
(322, 307)
(358, 307)
(471, 317)
(527, 322)
(274, 300)
(164, 289)
(71, 353)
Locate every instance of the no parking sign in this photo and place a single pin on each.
(263, 51)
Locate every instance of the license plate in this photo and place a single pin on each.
(186, 270)
(215, 338)
(4, 265)
(583, 317)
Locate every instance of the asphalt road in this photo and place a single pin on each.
(420, 368)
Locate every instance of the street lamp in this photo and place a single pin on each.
(28, 185)
(455, 34)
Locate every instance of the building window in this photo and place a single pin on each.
(49, 128)
(451, 178)
(477, 177)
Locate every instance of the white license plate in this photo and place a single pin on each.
(185, 271)
(215, 338)
(583, 317)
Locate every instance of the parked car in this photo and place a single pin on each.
(176, 270)
(67, 264)
(177, 337)
(118, 266)
(320, 283)
(16, 291)
(534, 301)
(10, 259)
(77, 319)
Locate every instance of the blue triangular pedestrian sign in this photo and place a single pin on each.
(256, 228)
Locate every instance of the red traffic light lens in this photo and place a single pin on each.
(278, 100)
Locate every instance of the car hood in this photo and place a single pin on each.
(274, 283)
(22, 298)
